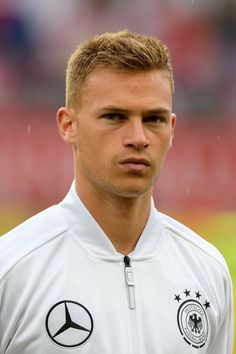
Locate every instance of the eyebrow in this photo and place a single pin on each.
(158, 110)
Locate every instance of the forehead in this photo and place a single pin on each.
(110, 86)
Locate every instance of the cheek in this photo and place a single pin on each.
(86, 139)
(91, 150)
(163, 142)
(97, 143)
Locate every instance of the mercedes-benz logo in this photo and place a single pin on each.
(69, 324)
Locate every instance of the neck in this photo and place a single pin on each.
(122, 219)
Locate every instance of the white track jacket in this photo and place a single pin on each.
(65, 289)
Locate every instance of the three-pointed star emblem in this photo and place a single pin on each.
(69, 323)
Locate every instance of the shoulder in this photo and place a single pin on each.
(27, 237)
(192, 241)
(202, 261)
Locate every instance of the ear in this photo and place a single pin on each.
(66, 122)
(173, 123)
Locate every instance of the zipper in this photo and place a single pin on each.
(129, 277)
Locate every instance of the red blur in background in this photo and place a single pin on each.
(36, 38)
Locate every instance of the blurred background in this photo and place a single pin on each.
(198, 182)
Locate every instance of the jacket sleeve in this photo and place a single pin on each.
(224, 338)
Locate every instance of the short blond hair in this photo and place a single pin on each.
(121, 50)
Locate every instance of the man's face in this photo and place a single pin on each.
(123, 130)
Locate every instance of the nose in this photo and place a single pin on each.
(135, 135)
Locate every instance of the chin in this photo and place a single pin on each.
(132, 192)
(127, 188)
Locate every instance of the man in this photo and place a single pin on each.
(104, 272)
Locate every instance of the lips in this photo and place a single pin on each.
(135, 161)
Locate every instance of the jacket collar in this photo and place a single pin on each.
(91, 237)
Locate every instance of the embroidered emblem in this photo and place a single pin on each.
(192, 318)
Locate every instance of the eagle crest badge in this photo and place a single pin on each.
(192, 318)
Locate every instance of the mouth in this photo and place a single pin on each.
(136, 161)
(136, 164)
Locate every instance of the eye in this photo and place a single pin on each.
(113, 116)
(156, 119)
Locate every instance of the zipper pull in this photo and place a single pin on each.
(129, 277)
